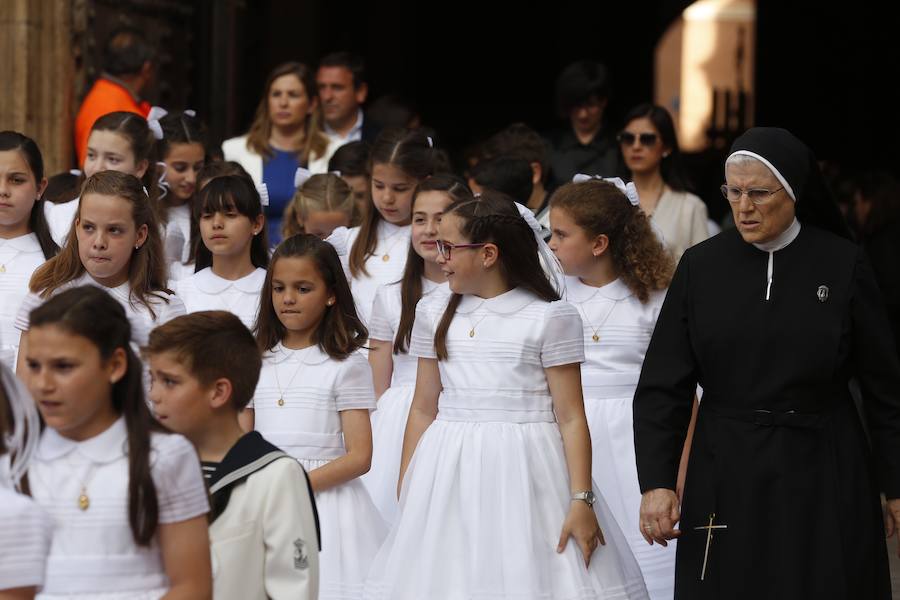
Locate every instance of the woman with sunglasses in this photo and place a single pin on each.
(650, 151)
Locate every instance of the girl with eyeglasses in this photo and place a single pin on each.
(495, 474)
(650, 152)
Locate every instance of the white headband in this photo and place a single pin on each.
(765, 161)
(300, 176)
(263, 191)
(22, 441)
(626, 188)
(156, 113)
(552, 268)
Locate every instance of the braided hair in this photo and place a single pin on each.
(493, 217)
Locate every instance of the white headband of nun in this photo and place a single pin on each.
(775, 172)
(551, 264)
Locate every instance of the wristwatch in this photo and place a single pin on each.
(587, 497)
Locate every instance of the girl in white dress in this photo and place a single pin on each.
(127, 499)
(313, 401)
(322, 203)
(496, 465)
(390, 330)
(119, 141)
(116, 245)
(231, 262)
(374, 253)
(25, 528)
(25, 241)
(182, 148)
(618, 274)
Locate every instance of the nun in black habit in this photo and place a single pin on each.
(773, 319)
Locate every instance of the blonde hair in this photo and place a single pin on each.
(320, 193)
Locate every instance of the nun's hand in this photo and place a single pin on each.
(659, 515)
(892, 520)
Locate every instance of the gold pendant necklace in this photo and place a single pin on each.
(387, 253)
(294, 376)
(596, 330)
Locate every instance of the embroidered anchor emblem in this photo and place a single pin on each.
(301, 558)
(822, 293)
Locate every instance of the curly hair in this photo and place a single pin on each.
(638, 255)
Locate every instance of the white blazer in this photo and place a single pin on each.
(265, 544)
(236, 149)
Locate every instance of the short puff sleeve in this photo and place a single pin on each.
(562, 342)
(29, 303)
(421, 343)
(380, 321)
(176, 473)
(355, 389)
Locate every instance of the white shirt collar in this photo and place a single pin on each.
(355, 133)
(105, 447)
(210, 283)
(122, 292)
(313, 355)
(782, 240)
(506, 303)
(23, 243)
(578, 291)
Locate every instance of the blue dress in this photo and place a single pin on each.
(278, 175)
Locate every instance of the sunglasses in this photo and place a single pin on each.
(445, 249)
(646, 139)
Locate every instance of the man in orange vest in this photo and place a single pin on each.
(128, 68)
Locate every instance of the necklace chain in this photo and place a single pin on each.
(583, 311)
(386, 256)
(294, 376)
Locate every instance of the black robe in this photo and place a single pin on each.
(779, 453)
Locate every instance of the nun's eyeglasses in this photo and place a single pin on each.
(647, 140)
(445, 249)
(757, 196)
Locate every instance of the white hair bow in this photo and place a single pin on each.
(25, 431)
(75, 172)
(156, 113)
(335, 173)
(163, 184)
(300, 176)
(552, 267)
(190, 112)
(430, 141)
(626, 188)
(263, 191)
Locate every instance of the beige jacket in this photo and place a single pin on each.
(264, 545)
(236, 149)
(681, 218)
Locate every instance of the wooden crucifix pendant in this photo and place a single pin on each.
(709, 536)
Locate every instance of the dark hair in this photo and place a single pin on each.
(520, 141)
(126, 52)
(222, 194)
(219, 168)
(341, 332)
(493, 217)
(37, 222)
(670, 166)
(352, 160)
(62, 187)
(181, 128)
(409, 151)
(94, 315)
(411, 283)
(883, 191)
(353, 63)
(579, 82)
(211, 345)
(392, 110)
(146, 268)
(315, 141)
(505, 174)
(135, 130)
(640, 259)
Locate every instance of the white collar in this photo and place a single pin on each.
(355, 131)
(782, 240)
(387, 230)
(313, 355)
(429, 286)
(104, 447)
(122, 292)
(506, 303)
(22, 243)
(210, 283)
(578, 291)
